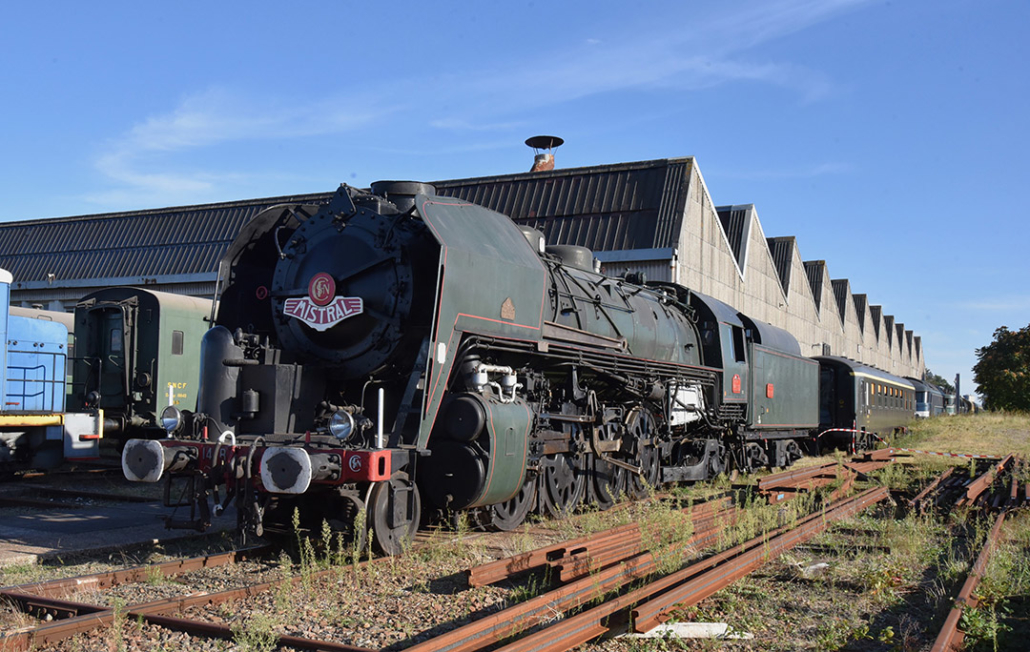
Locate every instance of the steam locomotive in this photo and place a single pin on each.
(395, 353)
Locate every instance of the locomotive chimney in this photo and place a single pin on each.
(402, 193)
(544, 146)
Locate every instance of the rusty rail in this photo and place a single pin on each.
(648, 615)
(917, 502)
(581, 628)
(950, 637)
(499, 626)
(976, 488)
(101, 581)
(791, 478)
(77, 618)
(500, 569)
(706, 533)
(788, 484)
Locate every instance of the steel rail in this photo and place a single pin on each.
(866, 467)
(500, 569)
(917, 502)
(784, 493)
(83, 617)
(100, 581)
(648, 615)
(573, 568)
(976, 488)
(41, 607)
(213, 630)
(498, 626)
(788, 478)
(51, 633)
(950, 636)
(581, 628)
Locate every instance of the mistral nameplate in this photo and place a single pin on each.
(323, 317)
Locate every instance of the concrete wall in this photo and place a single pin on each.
(802, 300)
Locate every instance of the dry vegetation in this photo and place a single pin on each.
(880, 581)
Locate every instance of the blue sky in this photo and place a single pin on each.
(889, 137)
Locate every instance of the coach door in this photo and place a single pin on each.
(114, 351)
(827, 395)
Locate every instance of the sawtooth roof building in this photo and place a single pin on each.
(654, 217)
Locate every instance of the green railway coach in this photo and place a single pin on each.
(137, 351)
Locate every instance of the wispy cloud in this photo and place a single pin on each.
(689, 54)
(483, 98)
(141, 161)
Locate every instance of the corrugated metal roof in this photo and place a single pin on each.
(841, 291)
(605, 207)
(736, 223)
(782, 250)
(815, 270)
(860, 306)
(157, 242)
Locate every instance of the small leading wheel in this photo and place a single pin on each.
(510, 514)
(394, 511)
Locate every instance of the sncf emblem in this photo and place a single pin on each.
(323, 317)
(322, 289)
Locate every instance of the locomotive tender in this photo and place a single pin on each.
(394, 352)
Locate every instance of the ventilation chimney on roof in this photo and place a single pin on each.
(544, 160)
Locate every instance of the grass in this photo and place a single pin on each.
(989, 433)
(1001, 619)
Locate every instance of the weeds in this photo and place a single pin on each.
(257, 634)
(155, 577)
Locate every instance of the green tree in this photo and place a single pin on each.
(1003, 370)
(940, 381)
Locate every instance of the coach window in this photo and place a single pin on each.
(116, 340)
(738, 344)
(176, 342)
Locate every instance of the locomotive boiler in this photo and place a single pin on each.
(395, 353)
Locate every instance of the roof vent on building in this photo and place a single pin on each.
(544, 160)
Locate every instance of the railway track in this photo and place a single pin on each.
(181, 595)
(629, 577)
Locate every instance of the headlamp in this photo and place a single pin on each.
(341, 425)
(171, 419)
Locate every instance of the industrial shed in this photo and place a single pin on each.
(57, 261)
(655, 217)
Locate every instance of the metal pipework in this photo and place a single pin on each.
(509, 381)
